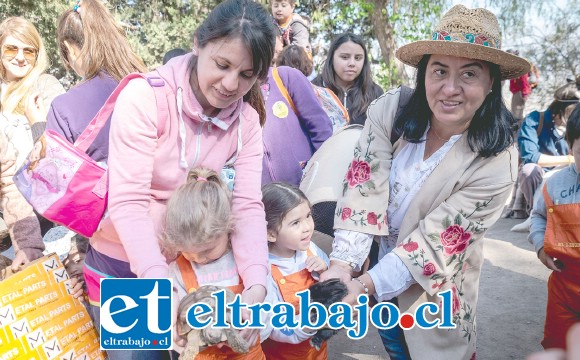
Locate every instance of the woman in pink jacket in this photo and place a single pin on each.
(215, 112)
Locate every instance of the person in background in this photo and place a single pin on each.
(25, 95)
(94, 46)
(521, 90)
(294, 56)
(542, 147)
(215, 112)
(293, 27)
(173, 53)
(295, 128)
(428, 181)
(347, 72)
(554, 231)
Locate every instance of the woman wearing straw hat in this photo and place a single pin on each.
(429, 198)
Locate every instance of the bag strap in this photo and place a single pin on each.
(283, 89)
(187, 274)
(320, 92)
(404, 97)
(540, 124)
(100, 120)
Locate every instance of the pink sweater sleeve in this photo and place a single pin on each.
(249, 241)
(132, 144)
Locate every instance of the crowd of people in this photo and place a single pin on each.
(203, 185)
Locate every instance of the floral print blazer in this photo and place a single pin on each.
(440, 239)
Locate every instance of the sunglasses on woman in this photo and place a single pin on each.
(10, 52)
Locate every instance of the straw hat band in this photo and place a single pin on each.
(467, 33)
(468, 38)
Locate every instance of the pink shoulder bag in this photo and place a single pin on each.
(66, 186)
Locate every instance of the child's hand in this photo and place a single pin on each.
(77, 288)
(547, 260)
(253, 295)
(315, 263)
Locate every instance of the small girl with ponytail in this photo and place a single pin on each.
(198, 225)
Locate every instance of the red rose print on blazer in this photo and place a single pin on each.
(358, 173)
(455, 240)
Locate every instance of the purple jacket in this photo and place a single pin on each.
(291, 139)
(70, 113)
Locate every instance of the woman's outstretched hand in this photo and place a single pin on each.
(337, 270)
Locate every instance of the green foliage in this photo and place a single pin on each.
(387, 76)
(155, 27)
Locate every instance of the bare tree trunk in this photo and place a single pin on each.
(384, 33)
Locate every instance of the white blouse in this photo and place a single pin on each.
(408, 174)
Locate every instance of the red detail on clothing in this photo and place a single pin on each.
(289, 285)
(562, 241)
(303, 351)
(213, 352)
(521, 84)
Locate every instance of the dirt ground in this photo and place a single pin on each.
(511, 309)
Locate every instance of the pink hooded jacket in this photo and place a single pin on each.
(144, 170)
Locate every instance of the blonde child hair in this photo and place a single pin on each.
(198, 211)
(14, 98)
(102, 42)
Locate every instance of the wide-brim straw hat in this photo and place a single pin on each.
(467, 33)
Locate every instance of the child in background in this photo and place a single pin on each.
(198, 223)
(295, 262)
(294, 56)
(556, 237)
(294, 28)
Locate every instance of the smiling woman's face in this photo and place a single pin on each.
(455, 88)
(18, 58)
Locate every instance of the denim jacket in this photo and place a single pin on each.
(549, 142)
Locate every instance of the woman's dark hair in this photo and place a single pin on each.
(279, 199)
(252, 23)
(295, 56)
(362, 92)
(573, 126)
(173, 53)
(490, 132)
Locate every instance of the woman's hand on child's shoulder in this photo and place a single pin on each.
(316, 263)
